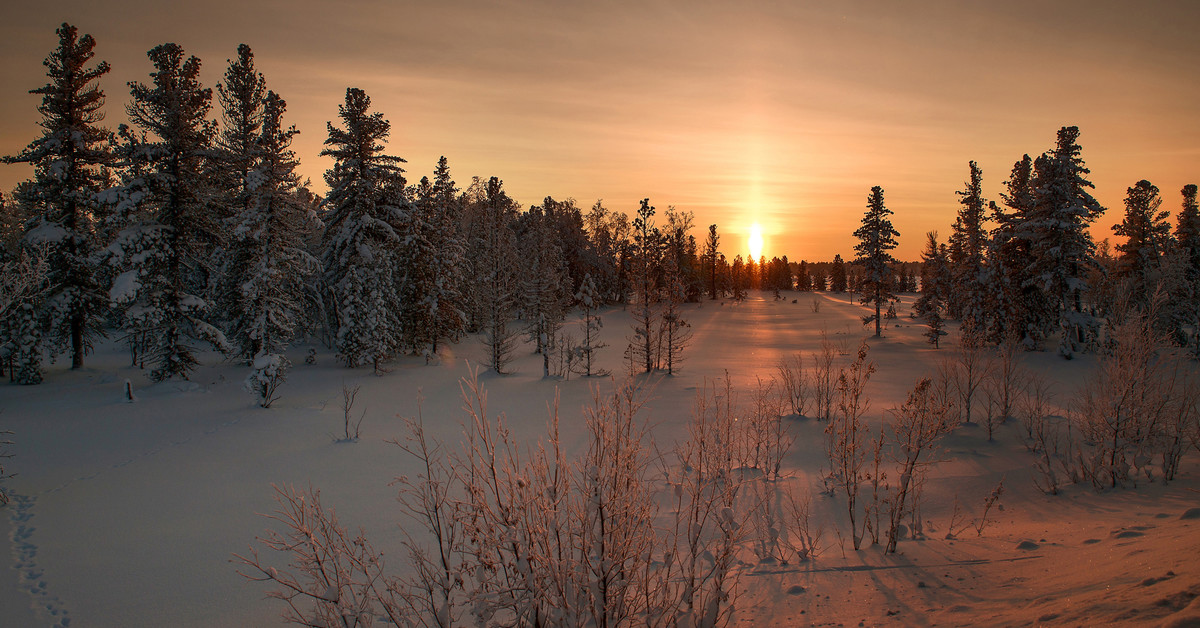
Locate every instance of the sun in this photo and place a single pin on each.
(756, 242)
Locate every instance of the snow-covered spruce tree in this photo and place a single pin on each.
(679, 244)
(68, 160)
(443, 299)
(544, 283)
(644, 269)
(588, 299)
(241, 96)
(1061, 247)
(1187, 230)
(968, 242)
(364, 204)
(165, 245)
(1186, 301)
(1147, 235)
(876, 238)
(935, 277)
(1019, 306)
(837, 275)
(416, 256)
(675, 333)
(494, 268)
(711, 256)
(270, 255)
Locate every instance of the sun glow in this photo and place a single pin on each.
(756, 241)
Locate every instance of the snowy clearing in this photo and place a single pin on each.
(128, 513)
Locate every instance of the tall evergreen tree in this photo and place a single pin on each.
(935, 278)
(711, 255)
(169, 235)
(1020, 308)
(588, 299)
(803, 279)
(241, 96)
(1187, 230)
(969, 284)
(1147, 235)
(364, 205)
(433, 261)
(876, 239)
(544, 283)
(647, 256)
(495, 271)
(68, 160)
(1061, 248)
(269, 258)
(837, 275)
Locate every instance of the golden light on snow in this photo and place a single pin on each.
(756, 241)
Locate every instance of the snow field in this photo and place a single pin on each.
(127, 514)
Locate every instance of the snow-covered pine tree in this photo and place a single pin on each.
(934, 333)
(1187, 256)
(1187, 230)
(969, 285)
(644, 267)
(711, 255)
(1061, 247)
(675, 332)
(364, 205)
(803, 279)
(445, 298)
(544, 283)
(416, 257)
(1018, 305)
(68, 160)
(837, 274)
(168, 235)
(1147, 233)
(589, 301)
(241, 97)
(738, 281)
(678, 242)
(272, 263)
(876, 238)
(495, 273)
(935, 278)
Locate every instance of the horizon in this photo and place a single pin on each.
(778, 116)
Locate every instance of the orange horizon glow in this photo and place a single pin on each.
(793, 109)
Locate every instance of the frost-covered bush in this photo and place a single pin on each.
(497, 534)
(270, 371)
(1138, 406)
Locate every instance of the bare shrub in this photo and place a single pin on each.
(960, 520)
(846, 435)
(705, 528)
(761, 438)
(917, 425)
(336, 578)
(824, 382)
(794, 382)
(1124, 408)
(803, 537)
(433, 593)
(1181, 424)
(968, 367)
(351, 427)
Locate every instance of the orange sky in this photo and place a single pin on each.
(781, 113)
